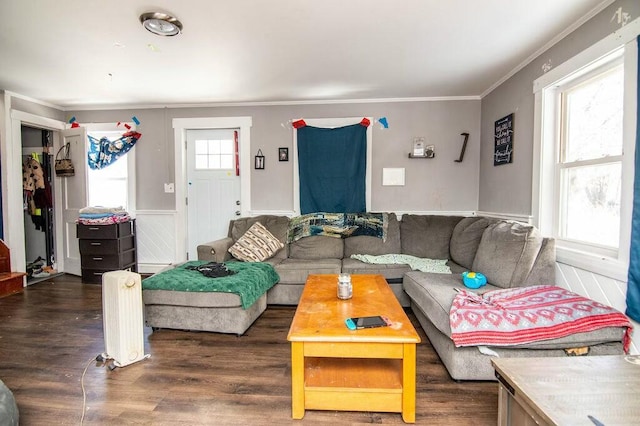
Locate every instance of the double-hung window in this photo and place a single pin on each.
(583, 153)
(114, 185)
(588, 171)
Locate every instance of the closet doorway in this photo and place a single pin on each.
(38, 208)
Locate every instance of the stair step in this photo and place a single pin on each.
(11, 282)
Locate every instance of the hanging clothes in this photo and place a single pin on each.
(37, 191)
(32, 175)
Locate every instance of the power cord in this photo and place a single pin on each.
(103, 358)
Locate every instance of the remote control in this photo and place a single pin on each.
(350, 324)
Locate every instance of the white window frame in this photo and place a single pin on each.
(613, 264)
(219, 155)
(131, 161)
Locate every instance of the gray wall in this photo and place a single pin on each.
(437, 184)
(37, 109)
(507, 188)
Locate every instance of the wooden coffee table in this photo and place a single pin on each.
(334, 368)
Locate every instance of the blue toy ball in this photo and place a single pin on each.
(473, 279)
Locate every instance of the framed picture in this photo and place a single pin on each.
(503, 137)
(283, 154)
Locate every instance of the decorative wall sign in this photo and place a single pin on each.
(503, 149)
(259, 163)
(283, 154)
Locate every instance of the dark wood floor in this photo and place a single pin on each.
(53, 330)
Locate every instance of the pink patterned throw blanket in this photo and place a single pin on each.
(522, 315)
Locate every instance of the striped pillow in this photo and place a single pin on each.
(256, 245)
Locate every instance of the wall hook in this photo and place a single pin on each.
(464, 146)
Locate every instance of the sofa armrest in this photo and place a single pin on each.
(216, 251)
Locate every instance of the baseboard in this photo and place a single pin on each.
(507, 216)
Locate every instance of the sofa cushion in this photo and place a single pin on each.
(465, 239)
(507, 253)
(317, 247)
(544, 269)
(204, 299)
(276, 225)
(256, 245)
(434, 294)
(363, 244)
(427, 236)
(295, 271)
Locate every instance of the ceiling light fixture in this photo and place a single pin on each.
(161, 24)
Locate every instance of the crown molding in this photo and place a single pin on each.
(34, 100)
(571, 28)
(272, 103)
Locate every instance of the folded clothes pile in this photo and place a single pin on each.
(102, 215)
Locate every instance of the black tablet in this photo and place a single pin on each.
(370, 322)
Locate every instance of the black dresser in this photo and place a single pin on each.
(106, 248)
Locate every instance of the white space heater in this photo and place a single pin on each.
(122, 317)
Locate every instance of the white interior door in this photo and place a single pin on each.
(213, 186)
(74, 196)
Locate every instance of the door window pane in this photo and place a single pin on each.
(226, 146)
(226, 161)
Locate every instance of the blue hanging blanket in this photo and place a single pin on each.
(103, 152)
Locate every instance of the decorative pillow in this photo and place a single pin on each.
(256, 245)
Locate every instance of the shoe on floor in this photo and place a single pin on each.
(39, 273)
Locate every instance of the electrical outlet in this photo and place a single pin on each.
(169, 188)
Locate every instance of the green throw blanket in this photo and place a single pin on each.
(438, 266)
(251, 280)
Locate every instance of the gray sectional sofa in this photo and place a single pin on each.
(510, 254)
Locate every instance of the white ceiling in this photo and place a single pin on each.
(80, 53)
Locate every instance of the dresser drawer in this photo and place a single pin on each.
(94, 276)
(102, 232)
(105, 261)
(95, 246)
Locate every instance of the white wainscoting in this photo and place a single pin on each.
(599, 288)
(507, 216)
(156, 239)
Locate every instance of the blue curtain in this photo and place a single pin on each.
(332, 164)
(633, 283)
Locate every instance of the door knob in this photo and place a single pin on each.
(237, 212)
(237, 202)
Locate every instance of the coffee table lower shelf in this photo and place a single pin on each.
(350, 384)
(354, 384)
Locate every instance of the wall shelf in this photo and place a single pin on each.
(422, 156)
